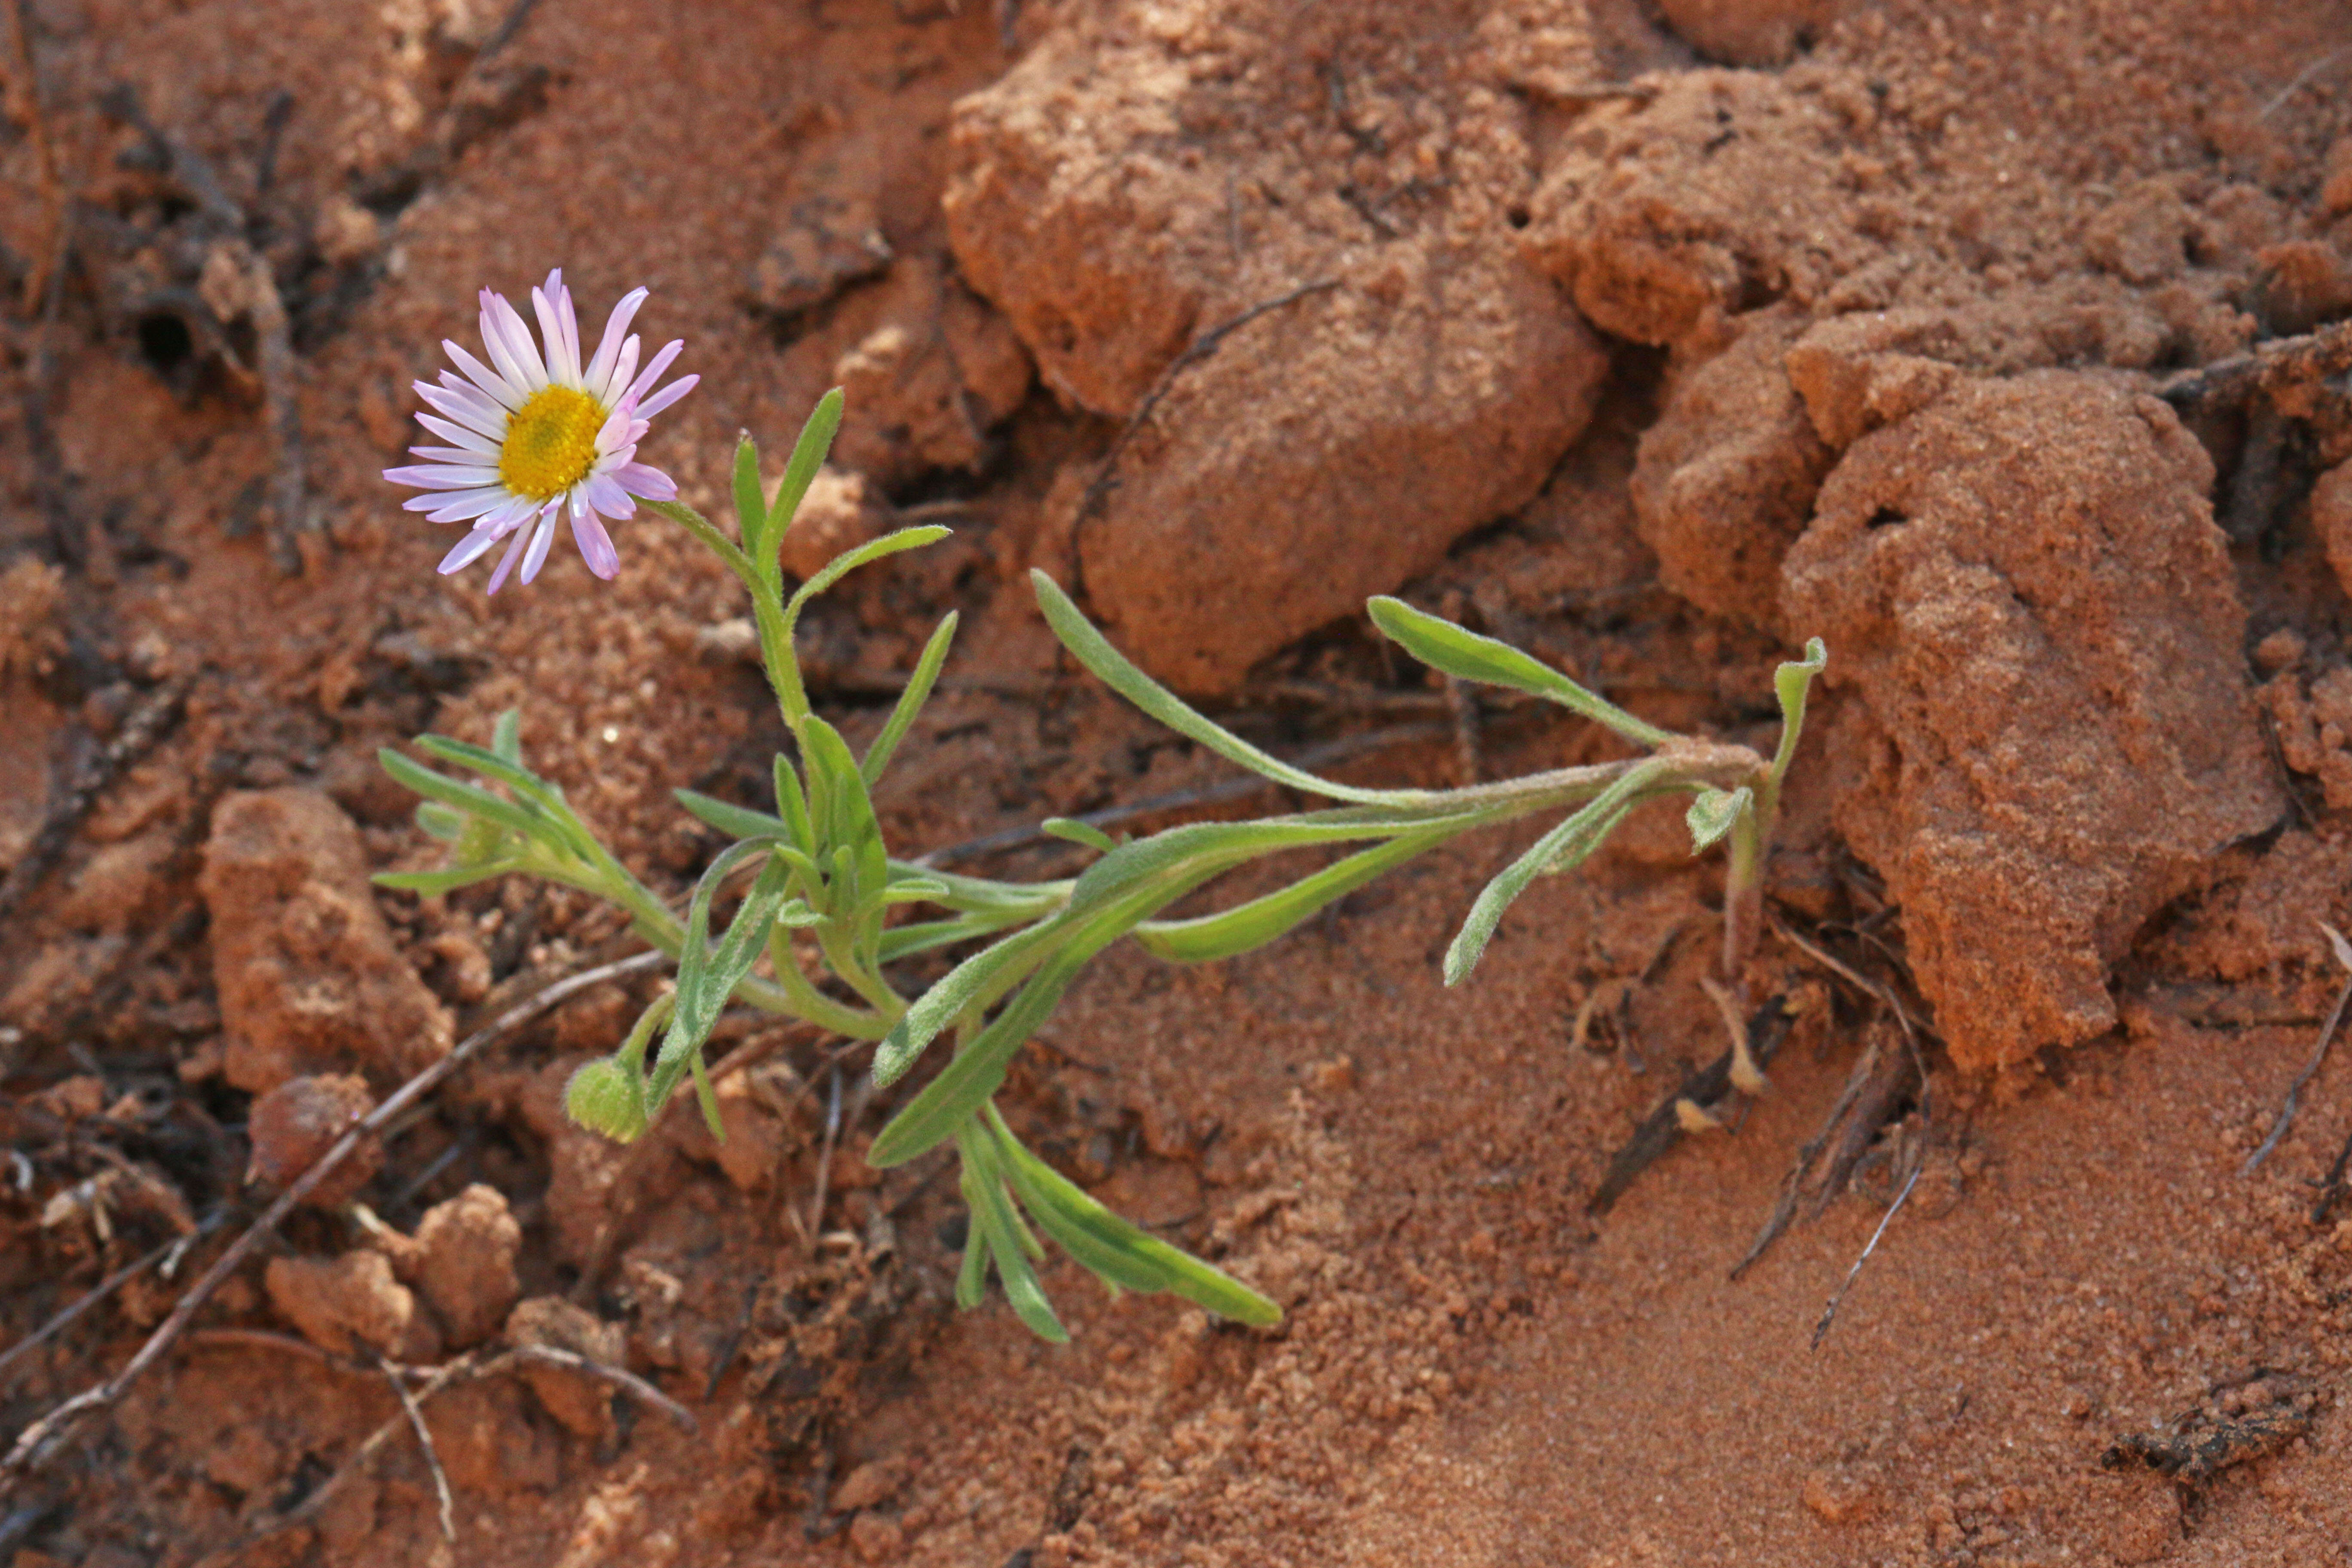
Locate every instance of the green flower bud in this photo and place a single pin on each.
(607, 1098)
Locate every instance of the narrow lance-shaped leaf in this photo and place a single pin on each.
(460, 796)
(707, 978)
(1467, 655)
(1062, 1207)
(1568, 842)
(427, 883)
(544, 800)
(910, 703)
(962, 986)
(849, 560)
(1094, 650)
(1009, 1241)
(1070, 830)
(1790, 683)
(1261, 920)
(740, 821)
(800, 469)
(750, 507)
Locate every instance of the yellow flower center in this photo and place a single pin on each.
(550, 442)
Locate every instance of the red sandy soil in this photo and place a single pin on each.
(2000, 347)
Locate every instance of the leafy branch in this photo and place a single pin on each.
(821, 911)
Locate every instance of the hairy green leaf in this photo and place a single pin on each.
(1467, 655)
(1071, 830)
(1094, 650)
(910, 701)
(1556, 850)
(740, 821)
(801, 470)
(751, 506)
(1260, 920)
(1713, 812)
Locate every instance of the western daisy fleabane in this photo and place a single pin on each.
(532, 438)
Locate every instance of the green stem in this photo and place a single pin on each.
(804, 1000)
(767, 610)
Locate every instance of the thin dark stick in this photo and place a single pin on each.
(74, 1313)
(1312, 759)
(1845, 972)
(463, 1367)
(2333, 1187)
(2318, 1054)
(1829, 1313)
(416, 1414)
(1200, 348)
(619, 1377)
(148, 724)
(44, 1437)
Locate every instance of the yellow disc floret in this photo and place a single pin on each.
(550, 442)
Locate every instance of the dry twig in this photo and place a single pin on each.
(149, 723)
(619, 1377)
(2342, 950)
(415, 1415)
(1837, 1297)
(97, 1293)
(46, 1436)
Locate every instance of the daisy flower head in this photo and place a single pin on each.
(534, 436)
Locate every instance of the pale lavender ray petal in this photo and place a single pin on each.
(550, 331)
(665, 396)
(467, 504)
(617, 326)
(498, 387)
(506, 562)
(570, 320)
(625, 365)
(595, 544)
(469, 455)
(501, 351)
(614, 431)
(440, 476)
(473, 397)
(652, 373)
(543, 534)
(480, 424)
(520, 343)
(455, 434)
(468, 550)
(608, 496)
(645, 483)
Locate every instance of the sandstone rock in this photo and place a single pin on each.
(351, 1304)
(1749, 32)
(876, 1482)
(1723, 193)
(121, 884)
(841, 512)
(1333, 446)
(2331, 520)
(295, 1123)
(1726, 475)
(2143, 235)
(466, 1269)
(2024, 583)
(307, 975)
